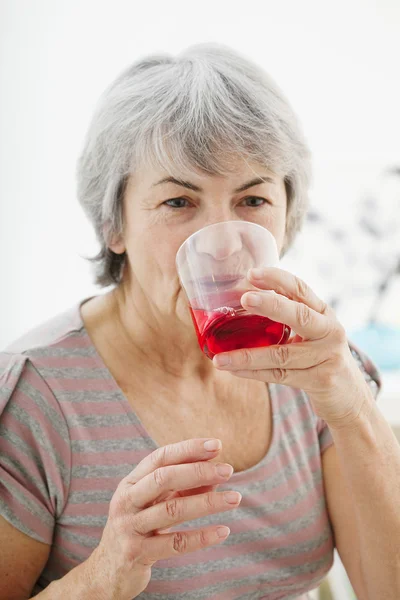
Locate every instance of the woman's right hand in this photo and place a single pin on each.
(173, 484)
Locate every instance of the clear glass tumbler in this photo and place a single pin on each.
(212, 266)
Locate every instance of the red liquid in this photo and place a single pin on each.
(219, 332)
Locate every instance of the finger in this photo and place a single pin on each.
(174, 454)
(178, 510)
(184, 494)
(288, 356)
(305, 379)
(175, 478)
(201, 490)
(168, 545)
(166, 530)
(285, 283)
(305, 321)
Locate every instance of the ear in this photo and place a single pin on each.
(117, 246)
(115, 242)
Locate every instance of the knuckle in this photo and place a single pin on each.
(139, 524)
(281, 355)
(338, 361)
(330, 379)
(279, 375)
(173, 509)
(200, 470)
(180, 542)
(301, 288)
(159, 456)
(120, 502)
(275, 303)
(190, 447)
(328, 376)
(336, 354)
(159, 477)
(145, 561)
(340, 333)
(246, 357)
(326, 310)
(203, 538)
(303, 315)
(209, 501)
(116, 522)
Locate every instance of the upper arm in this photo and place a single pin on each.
(34, 474)
(22, 559)
(341, 511)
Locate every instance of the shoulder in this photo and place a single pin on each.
(35, 449)
(31, 417)
(48, 346)
(27, 403)
(28, 364)
(35, 443)
(48, 333)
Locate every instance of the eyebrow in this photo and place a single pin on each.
(195, 188)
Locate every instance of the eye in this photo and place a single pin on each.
(250, 201)
(254, 201)
(177, 203)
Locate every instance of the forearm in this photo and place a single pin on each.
(369, 456)
(80, 583)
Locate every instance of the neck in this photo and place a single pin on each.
(138, 333)
(141, 347)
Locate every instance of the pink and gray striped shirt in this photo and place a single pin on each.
(68, 436)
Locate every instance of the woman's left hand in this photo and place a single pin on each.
(317, 359)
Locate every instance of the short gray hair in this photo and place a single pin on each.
(202, 109)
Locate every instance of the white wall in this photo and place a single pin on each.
(337, 63)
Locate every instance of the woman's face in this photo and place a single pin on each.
(159, 215)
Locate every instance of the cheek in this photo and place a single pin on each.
(152, 254)
(276, 224)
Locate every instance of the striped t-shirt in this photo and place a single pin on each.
(68, 436)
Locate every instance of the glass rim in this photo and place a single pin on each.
(192, 235)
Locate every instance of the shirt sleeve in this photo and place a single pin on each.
(35, 451)
(372, 377)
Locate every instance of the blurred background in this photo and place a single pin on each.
(338, 65)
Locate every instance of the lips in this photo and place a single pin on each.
(219, 281)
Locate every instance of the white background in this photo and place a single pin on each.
(338, 63)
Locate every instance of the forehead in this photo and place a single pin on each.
(152, 178)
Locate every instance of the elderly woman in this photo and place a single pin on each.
(134, 466)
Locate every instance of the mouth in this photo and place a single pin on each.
(219, 282)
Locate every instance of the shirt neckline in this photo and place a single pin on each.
(136, 421)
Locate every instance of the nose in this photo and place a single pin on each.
(218, 246)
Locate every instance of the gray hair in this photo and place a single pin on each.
(200, 110)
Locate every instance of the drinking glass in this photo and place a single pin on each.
(212, 266)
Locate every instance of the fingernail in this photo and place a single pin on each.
(232, 497)
(256, 273)
(221, 360)
(223, 532)
(212, 445)
(224, 470)
(253, 299)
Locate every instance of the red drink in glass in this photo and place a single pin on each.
(213, 265)
(232, 327)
